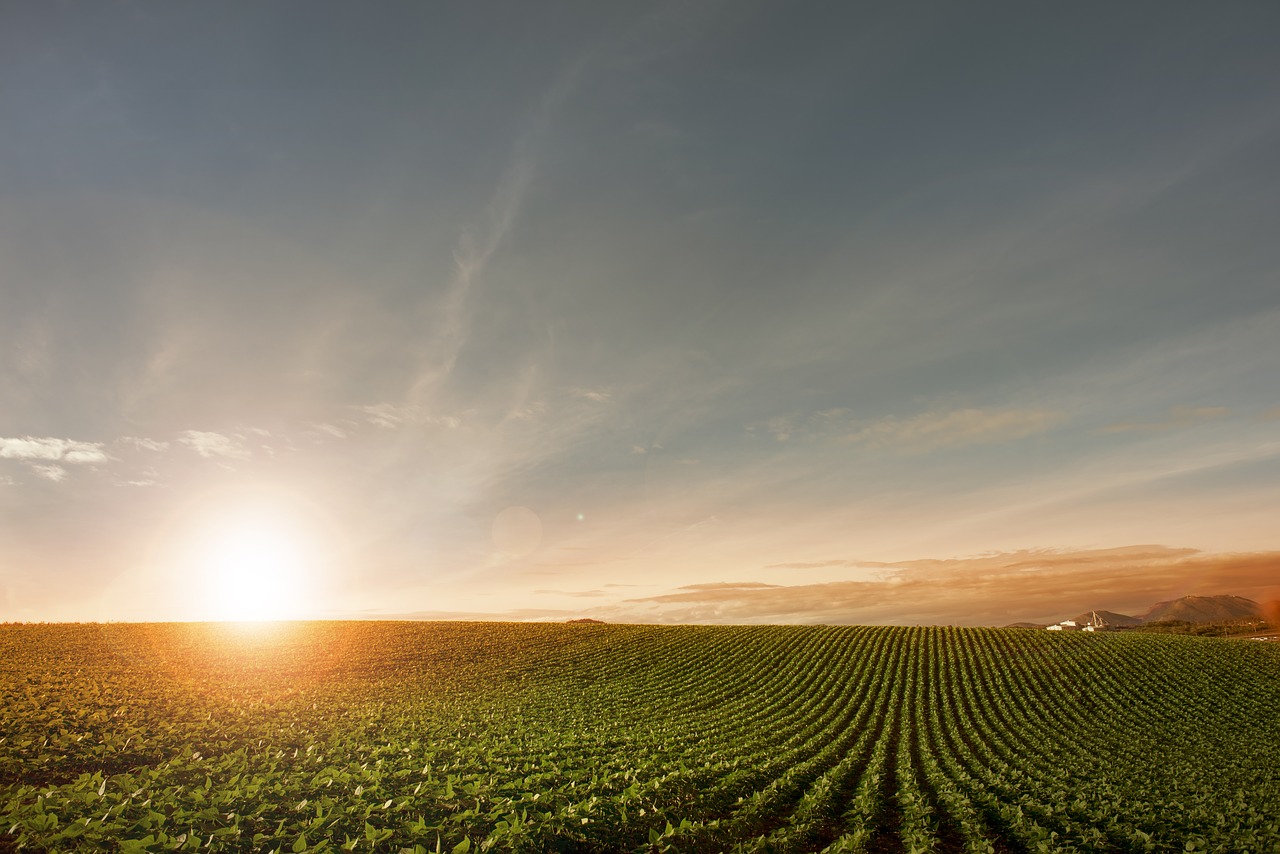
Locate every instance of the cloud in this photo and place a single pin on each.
(731, 585)
(392, 415)
(57, 474)
(477, 246)
(927, 431)
(1272, 414)
(815, 564)
(330, 430)
(209, 445)
(993, 589)
(527, 413)
(144, 444)
(1179, 416)
(386, 415)
(584, 594)
(53, 450)
(954, 429)
(637, 450)
(597, 395)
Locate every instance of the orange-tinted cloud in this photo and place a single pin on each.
(986, 590)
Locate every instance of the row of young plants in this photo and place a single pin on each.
(453, 737)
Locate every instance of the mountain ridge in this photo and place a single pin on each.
(1222, 608)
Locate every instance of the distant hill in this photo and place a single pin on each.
(1193, 610)
(1204, 609)
(1110, 618)
(1024, 626)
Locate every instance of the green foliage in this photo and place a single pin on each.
(435, 737)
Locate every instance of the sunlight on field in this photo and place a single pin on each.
(420, 736)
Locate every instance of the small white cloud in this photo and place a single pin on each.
(525, 413)
(51, 449)
(639, 449)
(598, 395)
(330, 429)
(54, 473)
(29, 448)
(209, 445)
(91, 456)
(146, 477)
(143, 444)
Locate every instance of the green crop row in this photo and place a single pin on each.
(427, 737)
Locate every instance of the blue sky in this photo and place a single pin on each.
(540, 310)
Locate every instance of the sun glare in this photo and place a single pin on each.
(254, 573)
(254, 562)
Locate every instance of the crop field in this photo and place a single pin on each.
(487, 736)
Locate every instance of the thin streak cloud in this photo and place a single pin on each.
(1179, 416)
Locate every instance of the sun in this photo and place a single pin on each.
(247, 553)
(254, 566)
(254, 571)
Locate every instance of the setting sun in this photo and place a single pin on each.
(254, 555)
(253, 572)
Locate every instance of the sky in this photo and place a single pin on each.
(649, 312)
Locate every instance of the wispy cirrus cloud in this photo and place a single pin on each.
(1179, 416)
(391, 416)
(55, 473)
(955, 428)
(928, 431)
(578, 594)
(477, 245)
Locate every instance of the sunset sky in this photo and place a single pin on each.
(697, 311)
